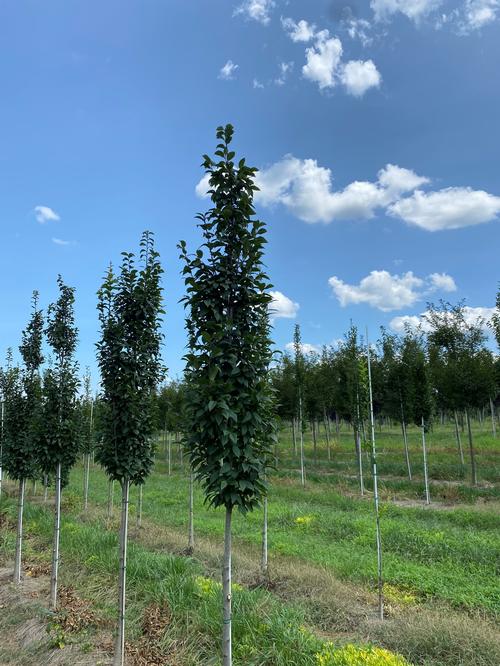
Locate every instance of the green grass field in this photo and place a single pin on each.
(441, 563)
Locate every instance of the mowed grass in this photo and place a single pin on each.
(441, 563)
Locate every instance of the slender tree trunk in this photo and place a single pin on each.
(426, 475)
(493, 420)
(86, 476)
(327, 435)
(169, 439)
(315, 441)
(459, 440)
(45, 488)
(191, 513)
(227, 658)
(264, 557)
(111, 492)
(471, 450)
(139, 507)
(407, 452)
(301, 435)
(337, 427)
(19, 539)
(375, 490)
(55, 548)
(357, 446)
(119, 659)
(294, 437)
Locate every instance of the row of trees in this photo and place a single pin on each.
(226, 400)
(447, 369)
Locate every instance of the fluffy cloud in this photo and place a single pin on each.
(412, 9)
(258, 10)
(472, 315)
(306, 189)
(285, 68)
(478, 13)
(388, 292)
(449, 208)
(442, 282)
(305, 347)
(299, 32)
(324, 64)
(45, 214)
(228, 70)
(323, 59)
(282, 306)
(358, 76)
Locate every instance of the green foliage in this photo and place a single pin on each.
(354, 655)
(86, 417)
(23, 403)
(59, 440)
(228, 393)
(130, 309)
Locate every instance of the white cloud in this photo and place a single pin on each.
(323, 59)
(60, 241)
(203, 186)
(412, 9)
(449, 208)
(299, 32)
(282, 306)
(472, 315)
(257, 84)
(442, 282)
(306, 348)
(358, 76)
(388, 292)
(478, 13)
(379, 289)
(358, 29)
(285, 69)
(258, 10)
(227, 71)
(45, 214)
(306, 189)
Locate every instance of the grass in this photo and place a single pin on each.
(441, 563)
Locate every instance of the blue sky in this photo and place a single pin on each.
(374, 124)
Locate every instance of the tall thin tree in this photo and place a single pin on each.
(228, 359)
(128, 352)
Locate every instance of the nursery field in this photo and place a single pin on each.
(441, 563)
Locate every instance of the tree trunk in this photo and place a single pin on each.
(111, 492)
(86, 476)
(426, 476)
(191, 513)
(327, 435)
(1, 444)
(315, 441)
(19, 539)
(407, 452)
(139, 508)
(45, 488)
(493, 420)
(301, 434)
(357, 446)
(119, 659)
(264, 558)
(459, 440)
(169, 456)
(471, 449)
(294, 437)
(55, 547)
(375, 489)
(227, 658)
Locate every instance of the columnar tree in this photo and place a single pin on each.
(228, 392)
(60, 441)
(299, 367)
(130, 309)
(87, 433)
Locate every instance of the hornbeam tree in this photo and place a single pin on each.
(87, 433)
(130, 309)
(227, 364)
(59, 442)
